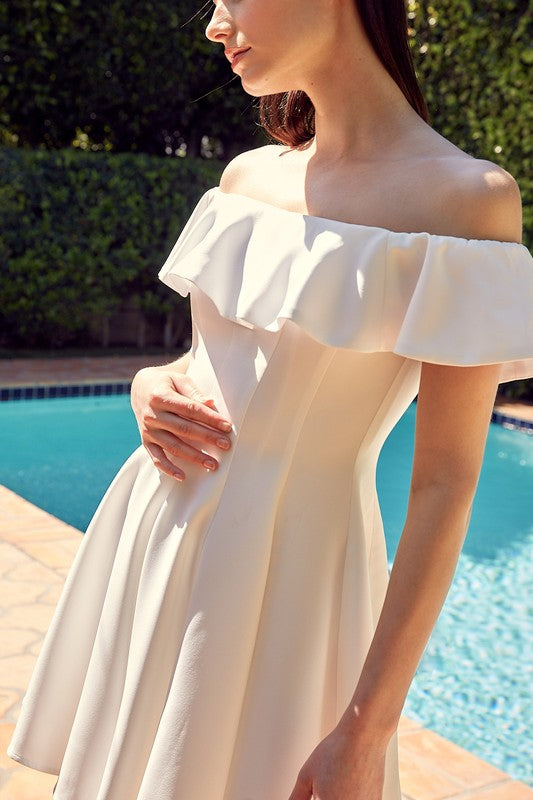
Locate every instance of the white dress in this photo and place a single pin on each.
(210, 633)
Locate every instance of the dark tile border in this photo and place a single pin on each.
(512, 423)
(123, 387)
(64, 390)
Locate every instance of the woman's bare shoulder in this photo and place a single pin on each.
(243, 173)
(477, 199)
(448, 191)
(468, 197)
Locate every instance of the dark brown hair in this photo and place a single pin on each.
(289, 117)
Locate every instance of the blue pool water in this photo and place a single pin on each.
(472, 685)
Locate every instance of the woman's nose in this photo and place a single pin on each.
(220, 25)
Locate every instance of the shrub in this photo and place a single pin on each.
(124, 75)
(80, 232)
(473, 59)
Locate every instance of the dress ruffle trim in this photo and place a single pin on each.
(440, 299)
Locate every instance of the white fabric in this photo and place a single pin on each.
(211, 633)
(433, 298)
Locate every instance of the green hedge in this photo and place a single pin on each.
(473, 59)
(123, 75)
(80, 232)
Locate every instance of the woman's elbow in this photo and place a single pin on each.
(455, 489)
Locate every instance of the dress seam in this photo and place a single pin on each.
(209, 525)
(371, 426)
(331, 354)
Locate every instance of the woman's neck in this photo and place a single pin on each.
(360, 111)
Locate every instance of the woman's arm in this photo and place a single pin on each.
(453, 414)
(175, 419)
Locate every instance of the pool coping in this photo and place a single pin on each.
(39, 378)
(46, 391)
(512, 423)
(36, 552)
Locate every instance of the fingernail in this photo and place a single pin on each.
(209, 464)
(223, 443)
(225, 426)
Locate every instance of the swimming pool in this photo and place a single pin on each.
(472, 685)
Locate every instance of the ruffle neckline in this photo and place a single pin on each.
(429, 297)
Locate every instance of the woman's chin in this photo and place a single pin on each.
(255, 88)
(262, 88)
(253, 91)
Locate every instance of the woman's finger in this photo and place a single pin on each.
(163, 464)
(199, 407)
(177, 448)
(192, 409)
(185, 429)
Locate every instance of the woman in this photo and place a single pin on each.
(227, 632)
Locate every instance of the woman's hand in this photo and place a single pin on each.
(176, 420)
(343, 766)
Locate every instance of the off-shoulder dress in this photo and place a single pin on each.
(210, 633)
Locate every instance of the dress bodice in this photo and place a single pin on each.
(426, 297)
(304, 320)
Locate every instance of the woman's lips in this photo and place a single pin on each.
(234, 56)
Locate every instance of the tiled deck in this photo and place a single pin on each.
(114, 369)
(36, 550)
(43, 371)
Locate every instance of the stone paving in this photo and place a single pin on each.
(43, 371)
(101, 369)
(36, 550)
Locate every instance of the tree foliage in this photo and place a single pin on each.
(127, 75)
(474, 58)
(124, 75)
(131, 76)
(81, 232)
